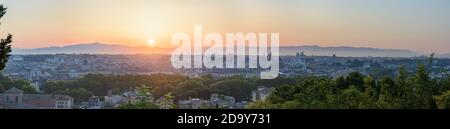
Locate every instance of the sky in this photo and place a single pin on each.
(417, 25)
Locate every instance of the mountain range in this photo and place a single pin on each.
(443, 55)
(93, 48)
(99, 48)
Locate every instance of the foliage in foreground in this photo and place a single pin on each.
(356, 91)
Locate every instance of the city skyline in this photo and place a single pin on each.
(416, 25)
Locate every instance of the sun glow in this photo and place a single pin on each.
(151, 42)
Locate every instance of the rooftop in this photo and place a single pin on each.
(14, 90)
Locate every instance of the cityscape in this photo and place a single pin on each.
(293, 54)
(225, 63)
(38, 70)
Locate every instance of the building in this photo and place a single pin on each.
(216, 101)
(16, 99)
(94, 102)
(300, 60)
(113, 99)
(222, 101)
(261, 93)
(193, 104)
(165, 103)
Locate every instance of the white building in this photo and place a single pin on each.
(113, 99)
(261, 93)
(193, 104)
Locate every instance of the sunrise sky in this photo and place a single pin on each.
(418, 25)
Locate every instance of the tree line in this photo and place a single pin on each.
(180, 86)
(356, 91)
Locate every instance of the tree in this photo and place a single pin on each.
(387, 87)
(400, 81)
(341, 83)
(405, 91)
(386, 99)
(370, 88)
(79, 94)
(145, 100)
(53, 86)
(5, 44)
(443, 101)
(238, 88)
(192, 88)
(145, 94)
(166, 102)
(430, 60)
(283, 93)
(28, 89)
(261, 105)
(351, 98)
(422, 88)
(356, 79)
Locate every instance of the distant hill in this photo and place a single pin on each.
(347, 51)
(98, 48)
(94, 48)
(443, 55)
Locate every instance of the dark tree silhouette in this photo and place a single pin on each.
(5, 44)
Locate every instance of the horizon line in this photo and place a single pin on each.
(289, 45)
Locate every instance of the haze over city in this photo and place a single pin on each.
(224, 54)
(417, 25)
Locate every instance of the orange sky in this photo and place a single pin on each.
(418, 25)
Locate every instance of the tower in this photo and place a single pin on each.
(300, 60)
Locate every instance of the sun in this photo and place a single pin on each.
(151, 42)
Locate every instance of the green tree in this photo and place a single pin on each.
(400, 81)
(405, 90)
(192, 88)
(356, 79)
(261, 105)
(145, 94)
(341, 83)
(283, 93)
(167, 101)
(5, 44)
(387, 87)
(53, 86)
(443, 101)
(430, 60)
(27, 89)
(351, 98)
(79, 94)
(386, 99)
(370, 88)
(422, 88)
(145, 100)
(7, 83)
(238, 88)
